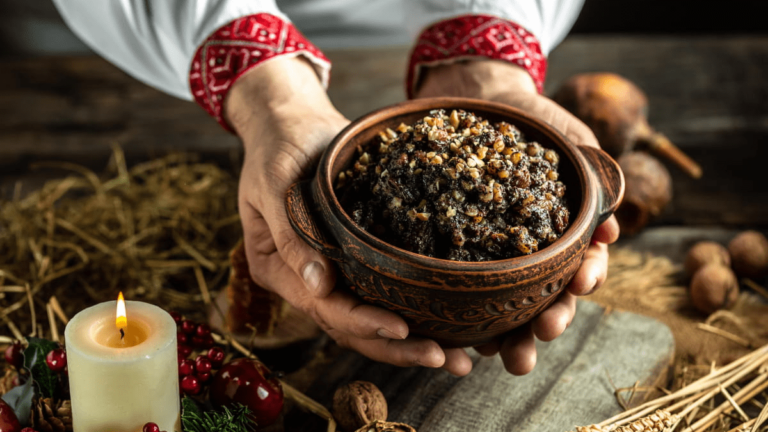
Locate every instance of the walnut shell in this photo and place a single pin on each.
(358, 404)
(749, 254)
(648, 190)
(703, 253)
(714, 287)
(383, 426)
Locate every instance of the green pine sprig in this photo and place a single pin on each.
(238, 419)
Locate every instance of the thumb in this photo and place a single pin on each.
(316, 271)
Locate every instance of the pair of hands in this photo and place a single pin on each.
(285, 120)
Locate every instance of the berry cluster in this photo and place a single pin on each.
(56, 359)
(191, 337)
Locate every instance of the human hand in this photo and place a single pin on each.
(506, 83)
(285, 120)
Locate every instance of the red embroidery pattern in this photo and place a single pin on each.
(473, 36)
(237, 47)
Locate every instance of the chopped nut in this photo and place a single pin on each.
(395, 203)
(454, 119)
(422, 216)
(481, 152)
(437, 160)
(451, 212)
(551, 157)
(499, 146)
(503, 174)
(552, 175)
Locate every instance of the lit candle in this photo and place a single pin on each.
(123, 368)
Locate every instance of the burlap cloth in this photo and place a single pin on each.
(654, 286)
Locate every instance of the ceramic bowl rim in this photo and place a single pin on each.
(587, 209)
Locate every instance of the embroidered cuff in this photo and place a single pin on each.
(472, 36)
(239, 46)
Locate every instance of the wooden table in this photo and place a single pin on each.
(709, 95)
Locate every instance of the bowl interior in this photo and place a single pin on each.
(364, 130)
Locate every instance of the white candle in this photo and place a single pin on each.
(119, 384)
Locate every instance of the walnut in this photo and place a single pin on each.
(384, 426)
(714, 287)
(358, 404)
(703, 253)
(749, 254)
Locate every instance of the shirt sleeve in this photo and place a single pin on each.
(191, 49)
(522, 32)
(549, 20)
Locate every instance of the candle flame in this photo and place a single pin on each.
(121, 321)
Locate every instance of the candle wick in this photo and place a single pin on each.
(122, 334)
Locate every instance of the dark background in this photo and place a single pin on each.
(673, 17)
(45, 32)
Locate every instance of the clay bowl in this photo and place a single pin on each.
(458, 304)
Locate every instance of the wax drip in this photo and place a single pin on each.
(122, 334)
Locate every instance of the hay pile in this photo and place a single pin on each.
(161, 232)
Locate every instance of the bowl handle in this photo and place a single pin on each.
(302, 219)
(610, 177)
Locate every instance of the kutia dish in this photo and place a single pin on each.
(458, 187)
(457, 303)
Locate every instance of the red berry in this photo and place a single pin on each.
(190, 385)
(182, 338)
(151, 427)
(202, 342)
(188, 327)
(14, 355)
(56, 360)
(203, 331)
(176, 317)
(203, 364)
(8, 420)
(186, 367)
(184, 351)
(244, 381)
(203, 377)
(216, 355)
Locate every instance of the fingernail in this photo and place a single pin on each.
(594, 286)
(312, 274)
(388, 334)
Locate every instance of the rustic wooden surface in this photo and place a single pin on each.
(571, 385)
